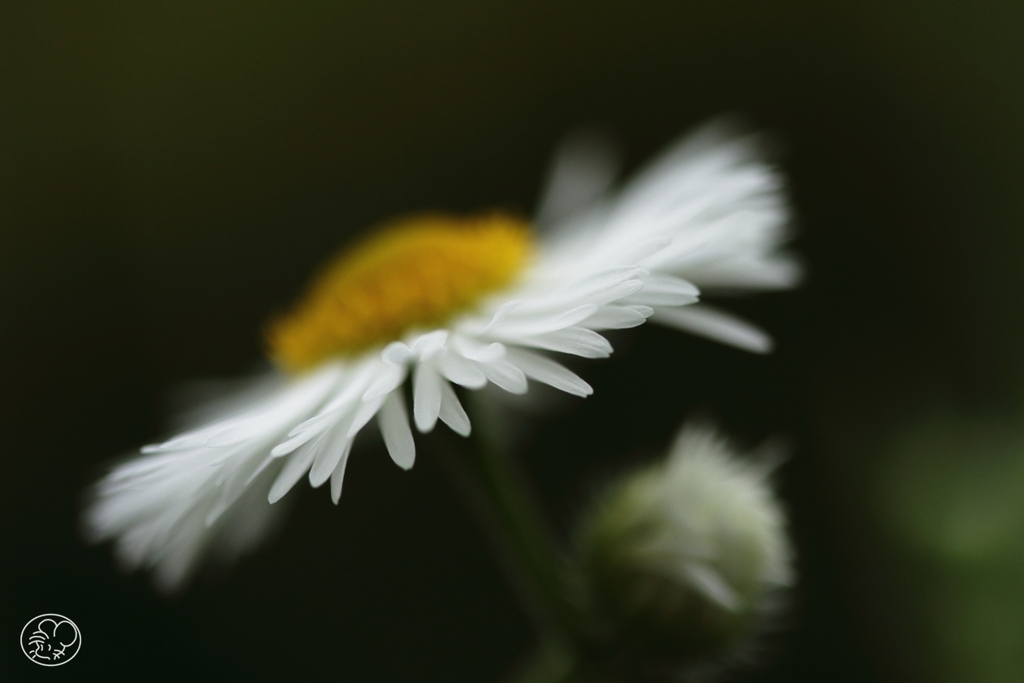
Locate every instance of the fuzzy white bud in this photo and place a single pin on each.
(683, 557)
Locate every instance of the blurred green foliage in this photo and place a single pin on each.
(949, 491)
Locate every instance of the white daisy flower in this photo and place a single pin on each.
(443, 300)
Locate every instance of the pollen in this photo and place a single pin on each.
(413, 273)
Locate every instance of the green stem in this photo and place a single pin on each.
(520, 534)
(525, 545)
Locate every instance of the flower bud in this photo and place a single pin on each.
(683, 558)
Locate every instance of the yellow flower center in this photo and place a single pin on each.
(415, 272)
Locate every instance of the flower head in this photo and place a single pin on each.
(446, 301)
(684, 556)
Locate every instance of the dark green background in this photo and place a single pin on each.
(170, 173)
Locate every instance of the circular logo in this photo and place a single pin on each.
(50, 640)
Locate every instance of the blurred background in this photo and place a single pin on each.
(171, 173)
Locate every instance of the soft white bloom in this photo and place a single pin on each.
(683, 557)
(709, 214)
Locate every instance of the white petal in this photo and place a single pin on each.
(709, 582)
(272, 412)
(505, 375)
(305, 436)
(619, 317)
(499, 314)
(584, 167)
(313, 428)
(458, 369)
(618, 292)
(321, 438)
(547, 371)
(260, 469)
(364, 413)
(750, 272)
(478, 351)
(293, 470)
(426, 402)
(605, 286)
(665, 290)
(338, 476)
(577, 341)
(169, 508)
(710, 322)
(607, 279)
(396, 353)
(394, 427)
(391, 376)
(539, 324)
(427, 345)
(356, 383)
(644, 249)
(195, 438)
(452, 412)
(232, 486)
(327, 459)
